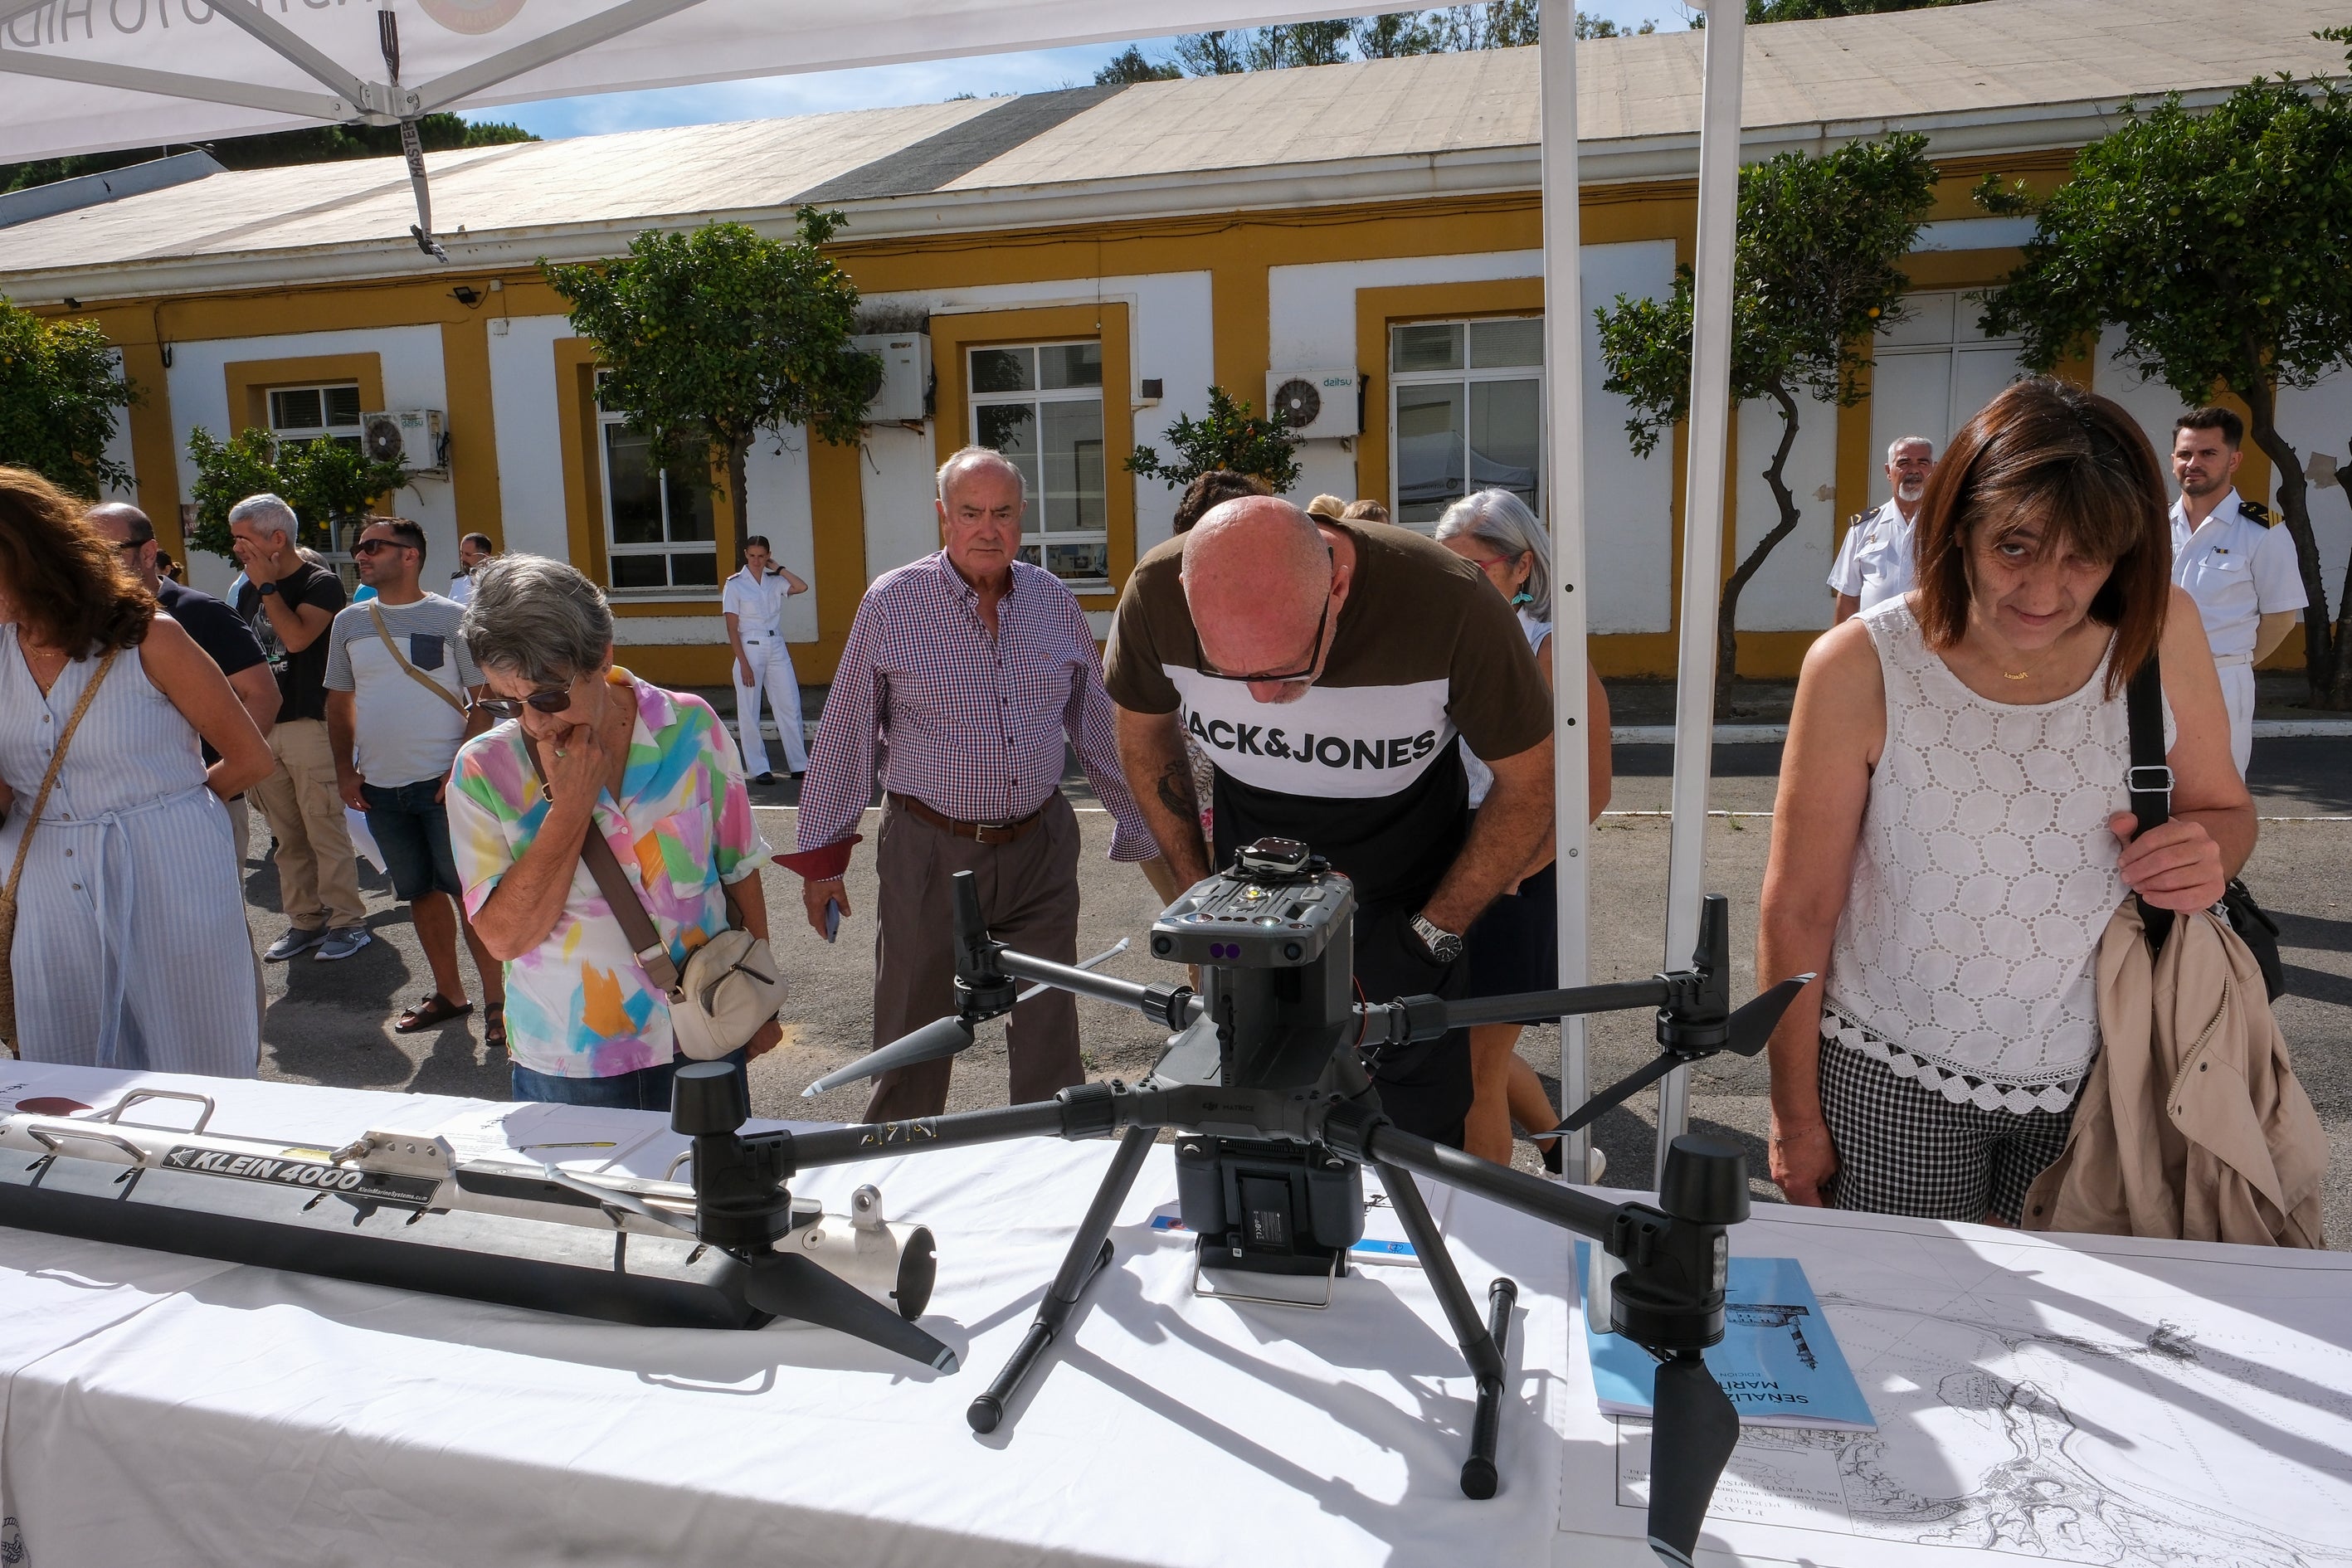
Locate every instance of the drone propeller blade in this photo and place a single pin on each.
(1617, 1094)
(1690, 1442)
(943, 1037)
(1752, 1025)
(791, 1285)
(611, 1198)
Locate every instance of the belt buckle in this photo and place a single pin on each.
(979, 830)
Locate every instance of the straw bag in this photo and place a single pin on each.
(24, 844)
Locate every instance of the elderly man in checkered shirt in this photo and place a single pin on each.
(970, 665)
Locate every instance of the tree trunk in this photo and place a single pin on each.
(2322, 642)
(738, 494)
(1726, 624)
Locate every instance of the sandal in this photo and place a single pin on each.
(432, 1012)
(494, 1027)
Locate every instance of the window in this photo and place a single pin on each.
(1466, 413)
(659, 534)
(330, 413)
(1041, 406)
(1934, 368)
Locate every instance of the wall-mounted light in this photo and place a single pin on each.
(167, 356)
(465, 294)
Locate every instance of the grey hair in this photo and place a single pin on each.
(972, 457)
(1500, 518)
(268, 512)
(539, 618)
(1901, 441)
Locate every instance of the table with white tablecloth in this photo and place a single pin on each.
(162, 1409)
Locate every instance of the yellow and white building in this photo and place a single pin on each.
(1081, 265)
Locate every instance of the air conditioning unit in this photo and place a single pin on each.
(906, 393)
(1319, 405)
(413, 437)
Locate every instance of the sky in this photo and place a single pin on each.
(877, 86)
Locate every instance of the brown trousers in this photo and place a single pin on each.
(1029, 894)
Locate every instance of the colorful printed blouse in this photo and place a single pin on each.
(578, 1006)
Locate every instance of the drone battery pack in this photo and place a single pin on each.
(377, 1239)
(1269, 1207)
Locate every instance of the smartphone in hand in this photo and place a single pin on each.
(832, 918)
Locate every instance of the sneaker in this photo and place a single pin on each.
(341, 944)
(296, 942)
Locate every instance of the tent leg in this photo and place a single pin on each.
(1704, 490)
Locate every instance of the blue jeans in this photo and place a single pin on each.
(647, 1089)
(411, 828)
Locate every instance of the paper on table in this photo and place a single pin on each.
(1779, 1362)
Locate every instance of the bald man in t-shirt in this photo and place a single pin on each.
(1327, 668)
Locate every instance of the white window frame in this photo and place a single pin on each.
(338, 553)
(1461, 378)
(1037, 538)
(607, 418)
(1910, 338)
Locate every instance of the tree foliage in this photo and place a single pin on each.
(1392, 35)
(1821, 10)
(1817, 274)
(1129, 67)
(714, 337)
(327, 482)
(275, 149)
(1231, 437)
(59, 388)
(2219, 241)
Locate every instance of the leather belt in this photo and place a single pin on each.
(978, 832)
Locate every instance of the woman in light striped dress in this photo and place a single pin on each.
(131, 947)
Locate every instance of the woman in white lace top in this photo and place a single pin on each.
(1952, 830)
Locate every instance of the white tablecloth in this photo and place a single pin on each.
(2077, 1400)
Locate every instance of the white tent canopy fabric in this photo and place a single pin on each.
(99, 75)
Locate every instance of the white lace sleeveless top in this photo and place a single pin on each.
(1983, 882)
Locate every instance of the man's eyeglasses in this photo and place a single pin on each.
(547, 700)
(369, 546)
(1304, 672)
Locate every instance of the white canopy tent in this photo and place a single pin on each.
(99, 74)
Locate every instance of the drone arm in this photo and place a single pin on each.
(1530, 1006)
(1172, 1006)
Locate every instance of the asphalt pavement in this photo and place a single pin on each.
(330, 1023)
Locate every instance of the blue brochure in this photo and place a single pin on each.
(1779, 1361)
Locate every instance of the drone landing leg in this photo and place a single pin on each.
(1090, 1250)
(1482, 1347)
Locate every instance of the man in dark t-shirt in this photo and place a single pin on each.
(289, 602)
(1326, 670)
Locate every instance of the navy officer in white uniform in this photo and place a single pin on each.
(1875, 561)
(2238, 568)
(754, 605)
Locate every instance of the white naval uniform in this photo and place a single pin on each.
(759, 611)
(461, 588)
(2237, 572)
(1874, 562)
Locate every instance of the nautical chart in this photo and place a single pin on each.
(2094, 1400)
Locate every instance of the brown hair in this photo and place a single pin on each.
(1365, 512)
(63, 577)
(2214, 417)
(2045, 452)
(1213, 490)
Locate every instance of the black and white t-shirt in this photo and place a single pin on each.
(1363, 767)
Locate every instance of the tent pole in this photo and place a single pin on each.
(1563, 467)
(1709, 430)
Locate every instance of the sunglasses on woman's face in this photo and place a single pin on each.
(547, 700)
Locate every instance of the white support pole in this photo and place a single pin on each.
(1563, 467)
(1709, 432)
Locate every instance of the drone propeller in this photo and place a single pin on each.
(943, 1037)
(1691, 1440)
(791, 1286)
(1746, 1033)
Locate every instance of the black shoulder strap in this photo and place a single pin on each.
(2150, 778)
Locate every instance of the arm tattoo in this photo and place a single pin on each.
(1175, 789)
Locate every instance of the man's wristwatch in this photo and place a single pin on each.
(265, 587)
(1443, 945)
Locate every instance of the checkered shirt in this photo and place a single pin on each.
(973, 724)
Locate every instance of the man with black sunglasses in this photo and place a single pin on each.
(1327, 668)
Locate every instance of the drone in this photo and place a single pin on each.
(1263, 1083)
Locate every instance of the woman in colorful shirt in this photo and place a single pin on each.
(586, 744)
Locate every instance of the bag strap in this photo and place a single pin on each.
(2149, 778)
(57, 764)
(644, 939)
(465, 710)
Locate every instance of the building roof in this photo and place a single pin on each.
(1992, 76)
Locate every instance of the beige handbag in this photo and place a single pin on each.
(24, 844)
